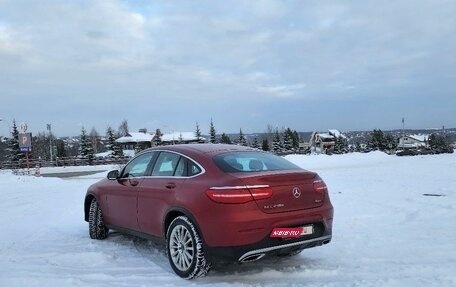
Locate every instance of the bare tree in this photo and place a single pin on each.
(94, 139)
(123, 128)
(40, 146)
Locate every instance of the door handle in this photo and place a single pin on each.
(134, 182)
(170, 185)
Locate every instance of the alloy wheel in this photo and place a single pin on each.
(181, 247)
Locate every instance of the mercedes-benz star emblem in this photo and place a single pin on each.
(296, 192)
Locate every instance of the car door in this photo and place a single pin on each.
(123, 194)
(158, 191)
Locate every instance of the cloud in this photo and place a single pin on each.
(281, 91)
(167, 53)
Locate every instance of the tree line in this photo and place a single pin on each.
(435, 143)
(283, 141)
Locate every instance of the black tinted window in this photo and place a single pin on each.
(180, 169)
(252, 162)
(193, 168)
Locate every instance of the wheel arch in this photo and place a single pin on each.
(175, 212)
(88, 199)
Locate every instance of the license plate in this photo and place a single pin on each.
(292, 232)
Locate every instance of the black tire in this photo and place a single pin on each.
(97, 228)
(184, 248)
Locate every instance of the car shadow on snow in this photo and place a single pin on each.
(221, 272)
(151, 251)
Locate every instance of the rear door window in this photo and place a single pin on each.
(166, 164)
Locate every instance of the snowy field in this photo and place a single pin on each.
(386, 232)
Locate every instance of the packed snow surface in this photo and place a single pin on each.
(394, 225)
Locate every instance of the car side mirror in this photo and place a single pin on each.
(113, 174)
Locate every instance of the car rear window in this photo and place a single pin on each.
(252, 162)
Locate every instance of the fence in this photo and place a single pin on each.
(64, 161)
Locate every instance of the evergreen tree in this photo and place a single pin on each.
(440, 143)
(341, 145)
(255, 143)
(377, 140)
(357, 146)
(157, 139)
(295, 138)
(15, 154)
(265, 145)
(288, 141)
(225, 139)
(198, 134)
(85, 147)
(277, 146)
(212, 133)
(242, 140)
(433, 141)
(390, 142)
(60, 144)
(113, 146)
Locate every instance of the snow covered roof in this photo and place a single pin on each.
(325, 136)
(135, 137)
(337, 133)
(420, 138)
(126, 152)
(177, 136)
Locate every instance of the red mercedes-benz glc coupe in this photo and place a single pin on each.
(209, 203)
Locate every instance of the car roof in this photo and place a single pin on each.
(212, 149)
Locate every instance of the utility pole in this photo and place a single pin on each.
(403, 132)
(48, 126)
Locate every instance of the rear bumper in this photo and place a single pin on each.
(284, 248)
(269, 247)
(243, 225)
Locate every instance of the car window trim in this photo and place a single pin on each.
(168, 176)
(148, 170)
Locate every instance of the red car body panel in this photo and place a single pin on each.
(118, 202)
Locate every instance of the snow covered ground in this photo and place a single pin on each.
(386, 232)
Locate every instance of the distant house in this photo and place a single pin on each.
(181, 138)
(130, 141)
(413, 141)
(324, 142)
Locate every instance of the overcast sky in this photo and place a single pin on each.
(307, 65)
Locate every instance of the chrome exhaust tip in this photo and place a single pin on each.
(252, 258)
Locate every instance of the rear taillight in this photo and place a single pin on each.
(320, 186)
(238, 194)
(260, 192)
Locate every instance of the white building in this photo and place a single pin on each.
(413, 141)
(181, 137)
(324, 142)
(129, 141)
